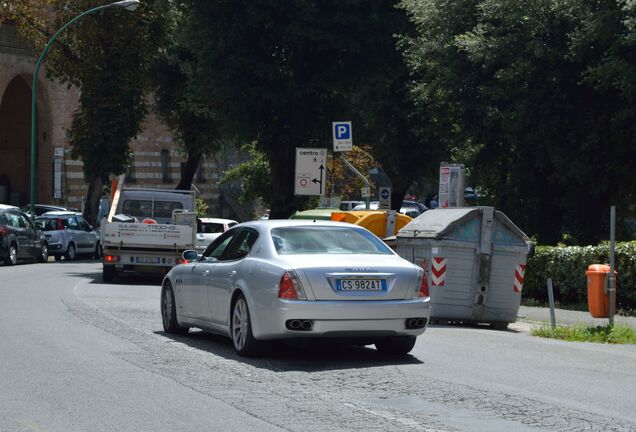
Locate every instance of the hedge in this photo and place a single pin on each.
(567, 266)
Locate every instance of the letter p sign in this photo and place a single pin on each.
(342, 140)
(343, 131)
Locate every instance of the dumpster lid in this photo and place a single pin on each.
(438, 222)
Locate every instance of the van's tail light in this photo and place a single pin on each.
(111, 258)
(290, 287)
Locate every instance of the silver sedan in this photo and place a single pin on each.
(279, 279)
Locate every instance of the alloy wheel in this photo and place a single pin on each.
(240, 323)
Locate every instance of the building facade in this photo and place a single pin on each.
(59, 178)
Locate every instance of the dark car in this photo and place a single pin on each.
(40, 209)
(19, 238)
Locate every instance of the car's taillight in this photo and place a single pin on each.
(423, 289)
(59, 224)
(290, 287)
(111, 258)
(3, 231)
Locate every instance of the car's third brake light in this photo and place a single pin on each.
(290, 287)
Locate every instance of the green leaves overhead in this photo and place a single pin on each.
(541, 93)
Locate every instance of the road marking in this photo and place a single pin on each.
(409, 422)
(31, 425)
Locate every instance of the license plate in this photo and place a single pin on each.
(147, 260)
(360, 285)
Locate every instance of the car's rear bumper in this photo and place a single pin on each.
(341, 318)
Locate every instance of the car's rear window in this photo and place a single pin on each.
(51, 224)
(212, 228)
(327, 240)
(143, 208)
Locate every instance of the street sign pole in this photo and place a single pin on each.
(612, 277)
(356, 172)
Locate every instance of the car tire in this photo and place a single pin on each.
(241, 329)
(44, 253)
(70, 254)
(500, 325)
(12, 255)
(396, 345)
(108, 274)
(169, 311)
(58, 257)
(97, 253)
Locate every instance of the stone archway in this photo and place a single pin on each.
(15, 143)
(15, 139)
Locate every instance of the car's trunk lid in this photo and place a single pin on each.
(361, 277)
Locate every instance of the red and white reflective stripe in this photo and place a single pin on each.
(438, 271)
(520, 271)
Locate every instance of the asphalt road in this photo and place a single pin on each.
(79, 355)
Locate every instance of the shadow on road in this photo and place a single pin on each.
(297, 354)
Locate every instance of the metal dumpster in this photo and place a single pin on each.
(474, 260)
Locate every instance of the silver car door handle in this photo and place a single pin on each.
(232, 273)
(205, 273)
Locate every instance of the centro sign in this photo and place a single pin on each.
(342, 136)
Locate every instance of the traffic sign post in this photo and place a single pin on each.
(311, 171)
(385, 198)
(342, 136)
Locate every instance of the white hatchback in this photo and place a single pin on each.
(209, 229)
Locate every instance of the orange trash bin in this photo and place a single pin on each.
(597, 297)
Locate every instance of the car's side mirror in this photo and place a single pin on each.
(190, 255)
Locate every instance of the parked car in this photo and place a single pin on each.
(40, 209)
(209, 229)
(421, 207)
(19, 237)
(412, 212)
(349, 205)
(69, 235)
(281, 279)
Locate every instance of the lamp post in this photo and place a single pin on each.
(125, 4)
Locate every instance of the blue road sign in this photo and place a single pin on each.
(342, 131)
(385, 193)
(342, 136)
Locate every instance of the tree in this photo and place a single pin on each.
(98, 56)
(287, 71)
(192, 122)
(520, 81)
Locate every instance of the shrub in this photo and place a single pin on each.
(567, 266)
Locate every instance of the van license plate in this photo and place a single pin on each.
(147, 260)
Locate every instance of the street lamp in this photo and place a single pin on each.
(125, 4)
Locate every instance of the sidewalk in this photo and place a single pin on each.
(541, 316)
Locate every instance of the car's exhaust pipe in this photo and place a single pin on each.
(415, 323)
(299, 325)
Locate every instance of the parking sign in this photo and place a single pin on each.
(342, 136)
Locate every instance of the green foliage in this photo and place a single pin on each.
(201, 208)
(254, 176)
(171, 71)
(617, 334)
(567, 266)
(288, 70)
(538, 98)
(104, 54)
